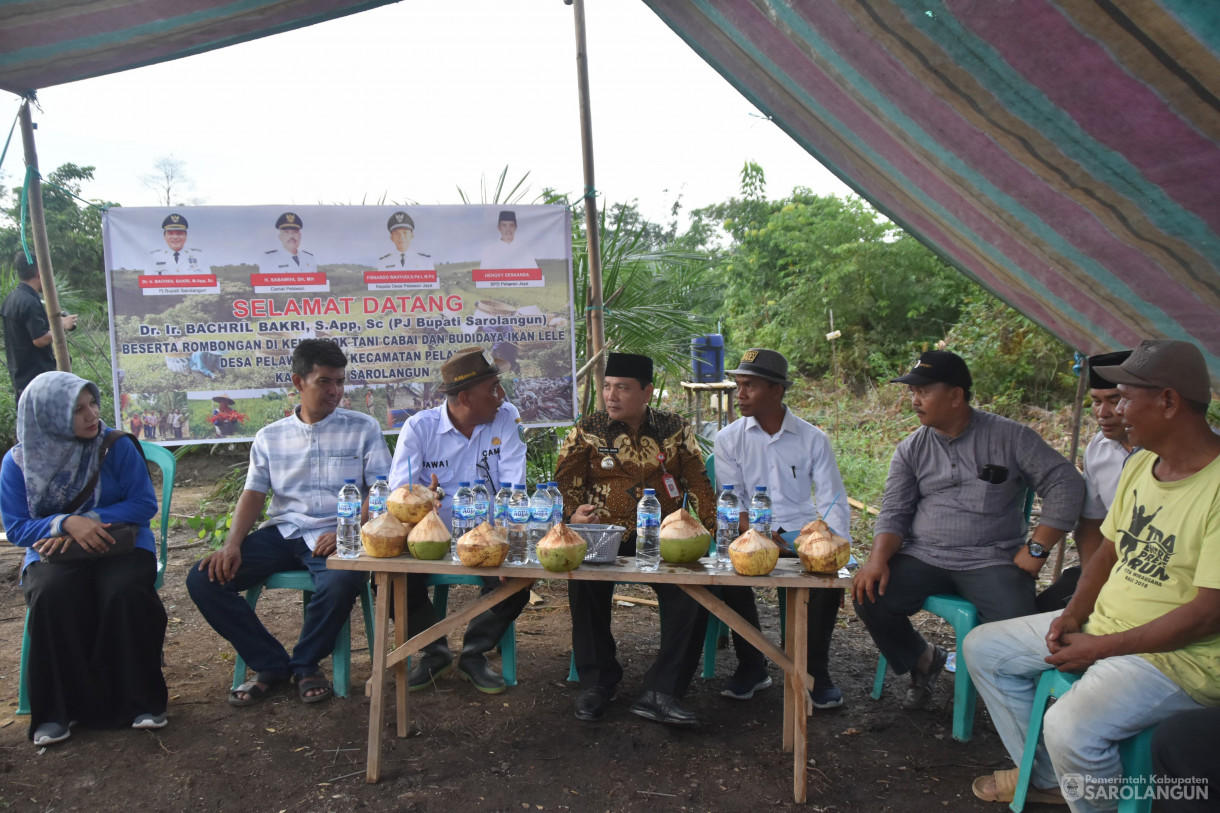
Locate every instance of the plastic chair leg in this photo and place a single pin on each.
(1136, 755)
(508, 642)
(711, 640)
(1049, 685)
(879, 679)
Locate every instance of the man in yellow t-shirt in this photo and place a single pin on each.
(1144, 624)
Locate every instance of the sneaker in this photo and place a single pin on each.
(150, 721)
(740, 687)
(826, 696)
(51, 733)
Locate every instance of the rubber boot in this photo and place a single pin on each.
(435, 660)
(484, 632)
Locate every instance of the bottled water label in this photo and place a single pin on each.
(481, 507)
(539, 513)
(519, 514)
(376, 506)
(349, 509)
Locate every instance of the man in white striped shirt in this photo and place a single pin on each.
(302, 460)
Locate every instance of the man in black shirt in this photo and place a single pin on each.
(27, 333)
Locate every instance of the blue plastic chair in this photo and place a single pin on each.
(1135, 752)
(341, 657)
(164, 459)
(508, 642)
(962, 615)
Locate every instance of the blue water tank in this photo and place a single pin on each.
(707, 358)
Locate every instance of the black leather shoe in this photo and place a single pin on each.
(592, 704)
(478, 671)
(427, 668)
(923, 681)
(663, 708)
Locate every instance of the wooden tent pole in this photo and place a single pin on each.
(595, 325)
(1077, 417)
(42, 248)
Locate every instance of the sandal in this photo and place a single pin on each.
(255, 690)
(308, 683)
(1001, 786)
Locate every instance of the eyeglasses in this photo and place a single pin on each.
(484, 468)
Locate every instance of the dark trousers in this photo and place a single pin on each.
(263, 553)
(683, 624)
(486, 628)
(1184, 747)
(823, 613)
(998, 592)
(97, 630)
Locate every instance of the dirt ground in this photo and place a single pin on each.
(521, 750)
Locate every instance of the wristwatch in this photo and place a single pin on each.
(1036, 550)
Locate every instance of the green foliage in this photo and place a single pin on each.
(74, 231)
(655, 298)
(816, 255)
(1013, 361)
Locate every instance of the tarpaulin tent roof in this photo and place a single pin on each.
(49, 42)
(1064, 154)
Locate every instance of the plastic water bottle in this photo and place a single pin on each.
(556, 502)
(728, 512)
(482, 502)
(347, 533)
(760, 511)
(517, 524)
(648, 532)
(540, 518)
(502, 497)
(379, 492)
(463, 515)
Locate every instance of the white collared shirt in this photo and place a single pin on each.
(1103, 463)
(430, 444)
(791, 464)
(304, 465)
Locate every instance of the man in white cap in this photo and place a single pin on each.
(770, 446)
(291, 257)
(1143, 628)
(176, 258)
(402, 258)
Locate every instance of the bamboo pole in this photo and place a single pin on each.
(595, 326)
(1077, 417)
(42, 248)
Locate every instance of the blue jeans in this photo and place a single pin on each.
(263, 553)
(1115, 699)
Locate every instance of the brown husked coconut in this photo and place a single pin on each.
(562, 549)
(383, 537)
(821, 550)
(683, 538)
(411, 503)
(485, 546)
(430, 539)
(753, 554)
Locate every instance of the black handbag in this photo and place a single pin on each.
(123, 533)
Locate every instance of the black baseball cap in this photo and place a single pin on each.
(938, 366)
(1096, 382)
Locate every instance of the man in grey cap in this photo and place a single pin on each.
(770, 446)
(953, 519)
(402, 258)
(1143, 628)
(290, 258)
(176, 258)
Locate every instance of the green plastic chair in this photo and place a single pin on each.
(1135, 752)
(963, 616)
(165, 460)
(341, 657)
(508, 642)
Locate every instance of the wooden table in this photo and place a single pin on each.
(722, 397)
(390, 578)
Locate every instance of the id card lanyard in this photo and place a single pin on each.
(671, 485)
